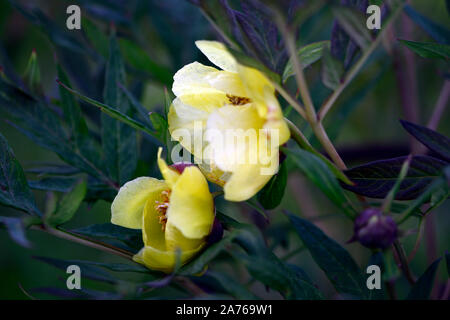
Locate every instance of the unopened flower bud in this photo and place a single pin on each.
(374, 230)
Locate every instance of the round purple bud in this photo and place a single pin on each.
(375, 230)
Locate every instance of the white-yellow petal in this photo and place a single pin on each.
(218, 54)
(127, 207)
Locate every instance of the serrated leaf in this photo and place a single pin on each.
(436, 31)
(333, 259)
(422, 288)
(16, 230)
(332, 70)
(354, 23)
(319, 173)
(68, 205)
(272, 193)
(375, 179)
(14, 190)
(307, 55)
(431, 139)
(428, 49)
(119, 140)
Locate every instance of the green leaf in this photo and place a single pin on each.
(375, 179)
(88, 271)
(16, 230)
(333, 259)
(272, 193)
(437, 186)
(231, 286)
(431, 139)
(35, 119)
(140, 60)
(429, 49)
(423, 286)
(436, 31)
(320, 174)
(119, 140)
(109, 231)
(265, 266)
(14, 190)
(332, 70)
(78, 128)
(97, 38)
(113, 113)
(160, 125)
(60, 184)
(307, 55)
(32, 73)
(272, 272)
(68, 205)
(354, 23)
(199, 263)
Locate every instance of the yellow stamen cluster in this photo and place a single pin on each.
(161, 207)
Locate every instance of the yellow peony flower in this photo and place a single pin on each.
(174, 213)
(211, 105)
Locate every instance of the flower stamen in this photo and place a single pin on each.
(161, 207)
(238, 101)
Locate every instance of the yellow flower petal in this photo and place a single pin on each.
(152, 231)
(218, 54)
(191, 208)
(175, 239)
(163, 261)
(245, 182)
(169, 175)
(128, 205)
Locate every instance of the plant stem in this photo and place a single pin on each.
(310, 112)
(403, 262)
(84, 241)
(440, 106)
(293, 102)
(356, 67)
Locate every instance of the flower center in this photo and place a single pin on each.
(238, 101)
(161, 207)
